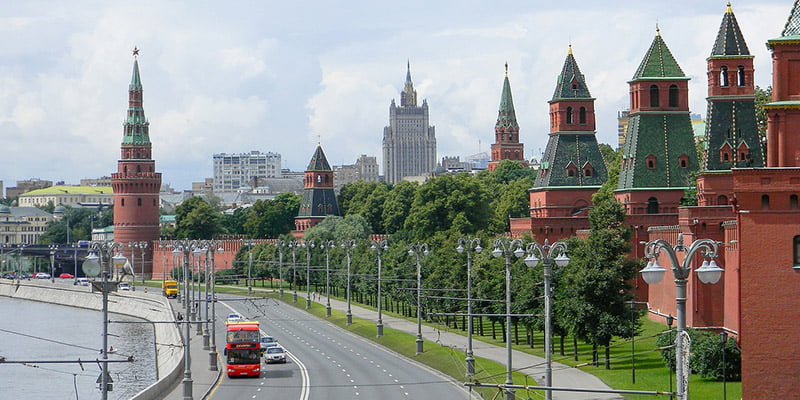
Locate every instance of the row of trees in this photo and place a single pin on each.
(590, 294)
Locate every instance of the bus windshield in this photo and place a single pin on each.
(243, 336)
(244, 356)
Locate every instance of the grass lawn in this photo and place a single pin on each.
(651, 373)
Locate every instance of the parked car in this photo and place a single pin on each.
(42, 275)
(66, 275)
(9, 275)
(83, 281)
(275, 354)
(124, 286)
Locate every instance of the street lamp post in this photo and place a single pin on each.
(91, 266)
(419, 250)
(280, 244)
(186, 246)
(347, 245)
(547, 254)
(294, 244)
(52, 263)
(506, 247)
(327, 245)
(379, 246)
(210, 248)
(308, 245)
(469, 245)
(249, 245)
(198, 252)
(653, 273)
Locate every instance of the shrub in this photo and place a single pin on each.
(706, 354)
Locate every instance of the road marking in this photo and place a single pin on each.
(306, 381)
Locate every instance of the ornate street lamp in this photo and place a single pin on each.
(547, 254)
(347, 245)
(653, 273)
(419, 250)
(379, 246)
(294, 244)
(327, 245)
(506, 247)
(308, 245)
(92, 266)
(469, 245)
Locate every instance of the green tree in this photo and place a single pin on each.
(79, 222)
(272, 218)
(612, 157)
(367, 199)
(196, 219)
(337, 228)
(763, 96)
(233, 223)
(597, 281)
(447, 199)
(397, 205)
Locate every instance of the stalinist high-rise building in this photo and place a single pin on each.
(409, 142)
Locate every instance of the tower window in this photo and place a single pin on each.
(723, 76)
(582, 115)
(796, 247)
(683, 161)
(139, 202)
(652, 205)
(569, 116)
(722, 200)
(673, 96)
(765, 202)
(793, 202)
(654, 96)
(122, 202)
(650, 161)
(740, 76)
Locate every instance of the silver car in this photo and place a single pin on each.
(275, 354)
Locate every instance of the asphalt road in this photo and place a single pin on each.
(326, 362)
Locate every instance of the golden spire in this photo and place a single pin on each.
(729, 10)
(658, 30)
(570, 49)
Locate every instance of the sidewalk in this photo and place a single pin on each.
(563, 375)
(203, 380)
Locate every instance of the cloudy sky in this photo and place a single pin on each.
(280, 76)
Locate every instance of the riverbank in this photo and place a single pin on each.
(150, 307)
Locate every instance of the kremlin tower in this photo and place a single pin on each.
(136, 184)
(506, 131)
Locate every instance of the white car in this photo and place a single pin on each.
(124, 286)
(275, 354)
(82, 281)
(42, 275)
(234, 317)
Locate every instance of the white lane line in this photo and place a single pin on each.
(305, 386)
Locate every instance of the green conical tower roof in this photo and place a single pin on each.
(137, 129)
(658, 62)
(506, 115)
(319, 162)
(792, 27)
(136, 81)
(571, 83)
(730, 41)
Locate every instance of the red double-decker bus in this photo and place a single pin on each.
(243, 348)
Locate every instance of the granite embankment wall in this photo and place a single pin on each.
(150, 307)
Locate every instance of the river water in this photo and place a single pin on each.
(33, 331)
